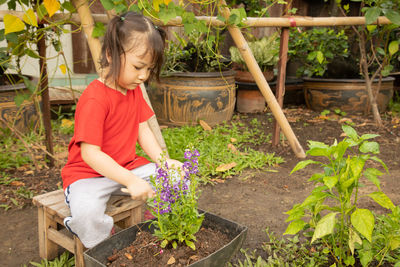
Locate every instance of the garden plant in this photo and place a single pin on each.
(333, 211)
(175, 204)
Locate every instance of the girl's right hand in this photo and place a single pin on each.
(139, 189)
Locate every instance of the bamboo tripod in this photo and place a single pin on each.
(87, 23)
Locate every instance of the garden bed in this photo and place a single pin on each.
(256, 199)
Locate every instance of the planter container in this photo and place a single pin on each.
(97, 256)
(186, 98)
(24, 116)
(250, 100)
(348, 95)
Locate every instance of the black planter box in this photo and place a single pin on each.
(97, 256)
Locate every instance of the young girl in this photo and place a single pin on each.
(110, 118)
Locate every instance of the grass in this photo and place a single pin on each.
(229, 143)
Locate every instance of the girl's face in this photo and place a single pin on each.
(136, 66)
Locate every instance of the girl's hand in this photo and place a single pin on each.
(139, 189)
(175, 164)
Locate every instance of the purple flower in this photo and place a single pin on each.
(170, 192)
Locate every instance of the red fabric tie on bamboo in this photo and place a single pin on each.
(292, 22)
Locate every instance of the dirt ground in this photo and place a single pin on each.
(257, 199)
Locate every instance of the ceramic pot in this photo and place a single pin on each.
(186, 98)
(348, 95)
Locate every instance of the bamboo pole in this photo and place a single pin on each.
(95, 49)
(280, 85)
(262, 84)
(295, 21)
(87, 23)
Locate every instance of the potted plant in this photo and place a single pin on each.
(196, 82)
(175, 230)
(266, 53)
(330, 70)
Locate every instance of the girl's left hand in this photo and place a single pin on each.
(175, 164)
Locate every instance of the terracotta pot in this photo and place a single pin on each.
(186, 98)
(245, 76)
(348, 95)
(250, 100)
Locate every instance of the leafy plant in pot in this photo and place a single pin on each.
(375, 47)
(178, 231)
(322, 60)
(196, 82)
(330, 70)
(266, 53)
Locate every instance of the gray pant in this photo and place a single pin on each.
(87, 200)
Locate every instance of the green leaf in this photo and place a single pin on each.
(382, 199)
(190, 244)
(167, 14)
(107, 4)
(366, 257)
(381, 162)
(357, 165)
(369, 147)
(19, 99)
(316, 177)
(303, 164)
(98, 30)
(330, 181)
(325, 226)
(363, 221)
(368, 136)
(32, 53)
(298, 214)
(313, 198)
(164, 243)
(353, 239)
(372, 14)
(320, 57)
(393, 16)
(68, 6)
(393, 47)
(294, 227)
(350, 132)
(394, 243)
(372, 175)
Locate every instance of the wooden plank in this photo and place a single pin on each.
(42, 234)
(61, 239)
(50, 247)
(47, 198)
(79, 249)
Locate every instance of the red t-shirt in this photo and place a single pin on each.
(105, 117)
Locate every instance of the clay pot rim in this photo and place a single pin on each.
(201, 74)
(306, 79)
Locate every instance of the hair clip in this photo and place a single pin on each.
(122, 18)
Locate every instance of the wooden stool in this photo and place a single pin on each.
(51, 213)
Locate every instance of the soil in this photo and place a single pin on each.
(145, 250)
(257, 199)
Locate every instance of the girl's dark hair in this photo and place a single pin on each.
(126, 32)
